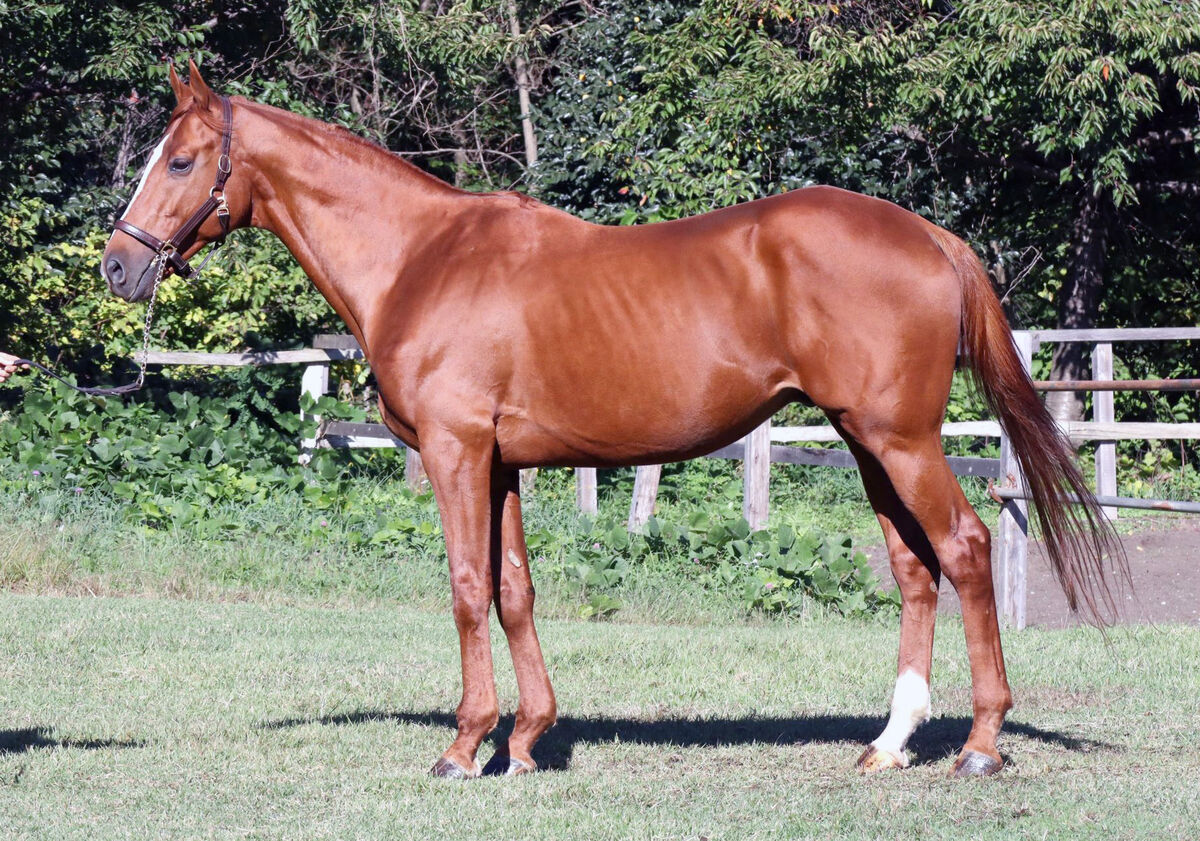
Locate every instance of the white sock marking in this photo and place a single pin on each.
(910, 709)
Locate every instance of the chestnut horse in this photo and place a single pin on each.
(506, 334)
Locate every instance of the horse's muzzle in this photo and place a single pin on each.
(128, 278)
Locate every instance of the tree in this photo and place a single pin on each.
(1088, 108)
(1066, 130)
(1058, 135)
(84, 95)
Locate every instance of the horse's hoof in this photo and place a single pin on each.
(972, 763)
(874, 760)
(503, 765)
(448, 769)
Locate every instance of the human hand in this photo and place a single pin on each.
(9, 366)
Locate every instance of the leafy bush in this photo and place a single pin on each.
(773, 571)
(169, 457)
(253, 294)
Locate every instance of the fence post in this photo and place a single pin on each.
(315, 383)
(585, 490)
(756, 476)
(1014, 517)
(1102, 411)
(645, 492)
(414, 469)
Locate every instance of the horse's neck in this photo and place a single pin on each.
(350, 213)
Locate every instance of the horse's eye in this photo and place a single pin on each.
(179, 166)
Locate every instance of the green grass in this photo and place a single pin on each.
(281, 680)
(154, 718)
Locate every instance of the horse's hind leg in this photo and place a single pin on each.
(915, 568)
(926, 488)
(514, 606)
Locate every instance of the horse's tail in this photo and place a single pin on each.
(1079, 537)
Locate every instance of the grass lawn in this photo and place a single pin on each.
(159, 718)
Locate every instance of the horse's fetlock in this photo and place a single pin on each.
(478, 723)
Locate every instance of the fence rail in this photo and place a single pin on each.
(766, 444)
(265, 357)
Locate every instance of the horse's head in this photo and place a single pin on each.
(188, 197)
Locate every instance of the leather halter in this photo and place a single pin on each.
(168, 249)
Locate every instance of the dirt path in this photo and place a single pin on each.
(1164, 560)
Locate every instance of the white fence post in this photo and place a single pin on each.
(756, 476)
(645, 492)
(1103, 412)
(585, 490)
(1014, 517)
(414, 469)
(315, 383)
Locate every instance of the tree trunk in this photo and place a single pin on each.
(523, 84)
(124, 152)
(461, 158)
(1079, 300)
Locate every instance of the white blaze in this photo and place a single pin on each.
(154, 156)
(910, 709)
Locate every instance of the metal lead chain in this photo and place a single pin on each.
(142, 362)
(141, 377)
(161, 259)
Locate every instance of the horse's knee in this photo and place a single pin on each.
(471, 593)
(908, 569)
(515, 603)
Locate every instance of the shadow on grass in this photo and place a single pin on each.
(940, 738)
(34, 738)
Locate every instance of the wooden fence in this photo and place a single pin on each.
(768, 444)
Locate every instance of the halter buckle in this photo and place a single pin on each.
(218, 195)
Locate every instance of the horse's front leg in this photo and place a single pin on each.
(514, 606)
(459, 466)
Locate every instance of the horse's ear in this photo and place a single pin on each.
(200, 91)
(182, 93)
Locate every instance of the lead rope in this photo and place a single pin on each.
(144, 356)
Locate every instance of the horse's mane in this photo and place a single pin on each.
(383, 156)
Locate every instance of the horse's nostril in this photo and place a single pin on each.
(114, 270)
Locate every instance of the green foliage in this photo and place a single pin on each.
(168, 463)
(253, 294)
(991, 117)
(770, 571)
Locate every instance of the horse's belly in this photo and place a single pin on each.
(624, 435)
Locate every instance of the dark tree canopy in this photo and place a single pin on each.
(1060, 136)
